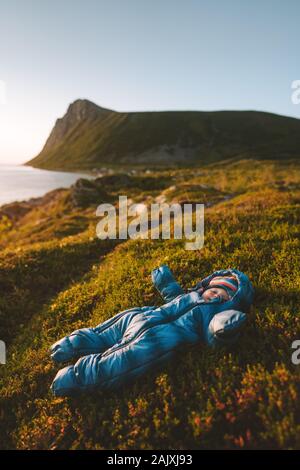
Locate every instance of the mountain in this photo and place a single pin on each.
(89, 136)
(78, 112)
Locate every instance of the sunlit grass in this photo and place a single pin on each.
(246, 397)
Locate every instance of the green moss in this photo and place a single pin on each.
(246, 397)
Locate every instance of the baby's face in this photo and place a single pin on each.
(214, 292)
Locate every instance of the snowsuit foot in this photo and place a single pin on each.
(93, 340)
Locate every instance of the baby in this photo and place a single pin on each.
(223, 287)
(135, 340)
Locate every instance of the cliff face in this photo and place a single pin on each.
(78, 112)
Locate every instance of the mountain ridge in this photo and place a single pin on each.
(89, 136)
(77, 111)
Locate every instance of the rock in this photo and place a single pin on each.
(85, 192)
(16, 210)
(117, 180)
(78, 111)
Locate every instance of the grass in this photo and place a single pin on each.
(245, 397)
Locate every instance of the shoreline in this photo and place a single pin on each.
(22, 183)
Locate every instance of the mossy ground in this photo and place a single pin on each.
(56, 276)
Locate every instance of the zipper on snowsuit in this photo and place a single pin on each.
(168, 320)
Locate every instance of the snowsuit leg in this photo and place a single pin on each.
(122, 363)
(94, 340)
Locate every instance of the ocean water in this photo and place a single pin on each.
(19, 183)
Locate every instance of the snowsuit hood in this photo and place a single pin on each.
(241, 299)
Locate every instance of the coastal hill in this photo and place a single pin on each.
(89, 136)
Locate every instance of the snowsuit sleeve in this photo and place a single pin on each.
(165, 283)
(225, 328)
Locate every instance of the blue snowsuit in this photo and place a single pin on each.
(134, 340)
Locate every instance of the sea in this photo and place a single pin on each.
(20, 183)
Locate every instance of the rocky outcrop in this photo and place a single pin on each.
(14, 211)
(85, 192)
(78, 111)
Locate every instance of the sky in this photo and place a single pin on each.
(141, 55)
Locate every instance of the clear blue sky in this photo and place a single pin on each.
(141, 55)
